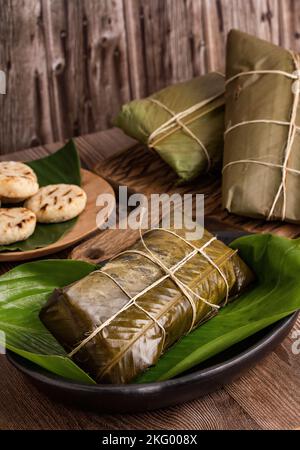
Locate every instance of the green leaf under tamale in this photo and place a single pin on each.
(276, 294)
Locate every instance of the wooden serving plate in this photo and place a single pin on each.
(93, 185)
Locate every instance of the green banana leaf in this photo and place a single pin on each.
(23, 291)
(62, 166)
(276, 294)
(276, 263)
(140, 118)
(263, 100)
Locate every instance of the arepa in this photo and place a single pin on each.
(17, 182)
(57, 203)
(16, 224)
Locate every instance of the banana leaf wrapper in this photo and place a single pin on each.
(140, 118)
(133, 341)
(249, 189)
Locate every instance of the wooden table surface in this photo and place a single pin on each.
(266, 397)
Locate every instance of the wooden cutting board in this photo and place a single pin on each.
(143, 171)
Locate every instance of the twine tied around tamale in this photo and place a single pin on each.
(170, 273)
(293, 128)
(167, 127)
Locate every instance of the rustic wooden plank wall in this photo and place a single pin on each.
(70, 64)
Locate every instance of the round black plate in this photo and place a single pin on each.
(201, 380)
(129, 398)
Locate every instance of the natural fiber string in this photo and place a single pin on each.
(178, 265)
(291, 134)
(170, 273)
(262, 72)
(263, 163)
(172, 270)
(179, 283)
(136, 304)
(247, 122)
(173, 122)
(196, 250)
(133, 299)
(201, 251)
(176, 119)
(289, 146)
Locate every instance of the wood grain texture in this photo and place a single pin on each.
(66, 66)
(70, 65)
(143, 171)
(25, 109)
(267, 397)
(23, 407)
(273, 399)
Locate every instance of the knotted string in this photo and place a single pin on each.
(293, 128)
(167, 128)
(136, 304)
(263, 72)
(170, 273)
(201, 251)
(247, 122)
(263, 163)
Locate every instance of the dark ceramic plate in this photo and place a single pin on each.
(144, 397)
(203, 379)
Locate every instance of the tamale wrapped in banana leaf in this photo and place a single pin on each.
(261, 165)
(184, 123)
(117, 322)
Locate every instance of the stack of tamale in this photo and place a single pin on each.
(261, 173)
(117, 321)
(184, 123)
